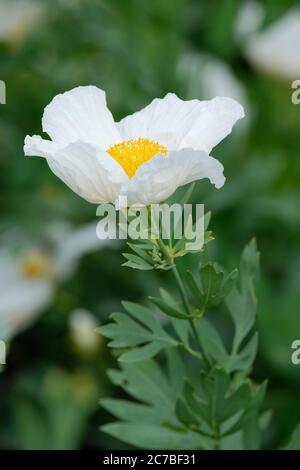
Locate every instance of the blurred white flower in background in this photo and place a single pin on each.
(17, 19)
(25, 290)
(204, 76)
(28, 278)
(249, 19)
(74, 244)
(275, 49)
(83, 331)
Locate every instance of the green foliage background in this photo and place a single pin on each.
(130, 48)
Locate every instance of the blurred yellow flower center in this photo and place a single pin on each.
(35, 265)
(131, 154)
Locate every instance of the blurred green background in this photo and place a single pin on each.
(136, 50)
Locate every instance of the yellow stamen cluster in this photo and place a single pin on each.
(35, 264)
(131, 154)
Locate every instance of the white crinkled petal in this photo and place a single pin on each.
(214, 122)
(88, 171)
(80, 114)
(157, 179)
(36, 146)
(178, 124)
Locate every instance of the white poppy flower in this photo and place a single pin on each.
(17, 19)
(275, 50)
(145, 156)
(249, 20)
(24, 290)
(28, 279)
(73, 244)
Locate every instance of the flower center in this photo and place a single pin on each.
(131, 154)
(35, 265)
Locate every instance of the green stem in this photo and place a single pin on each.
(183, 296)
(181, 289)
(187, 307)
(216, 430)
(176, 275)
(216, 438)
